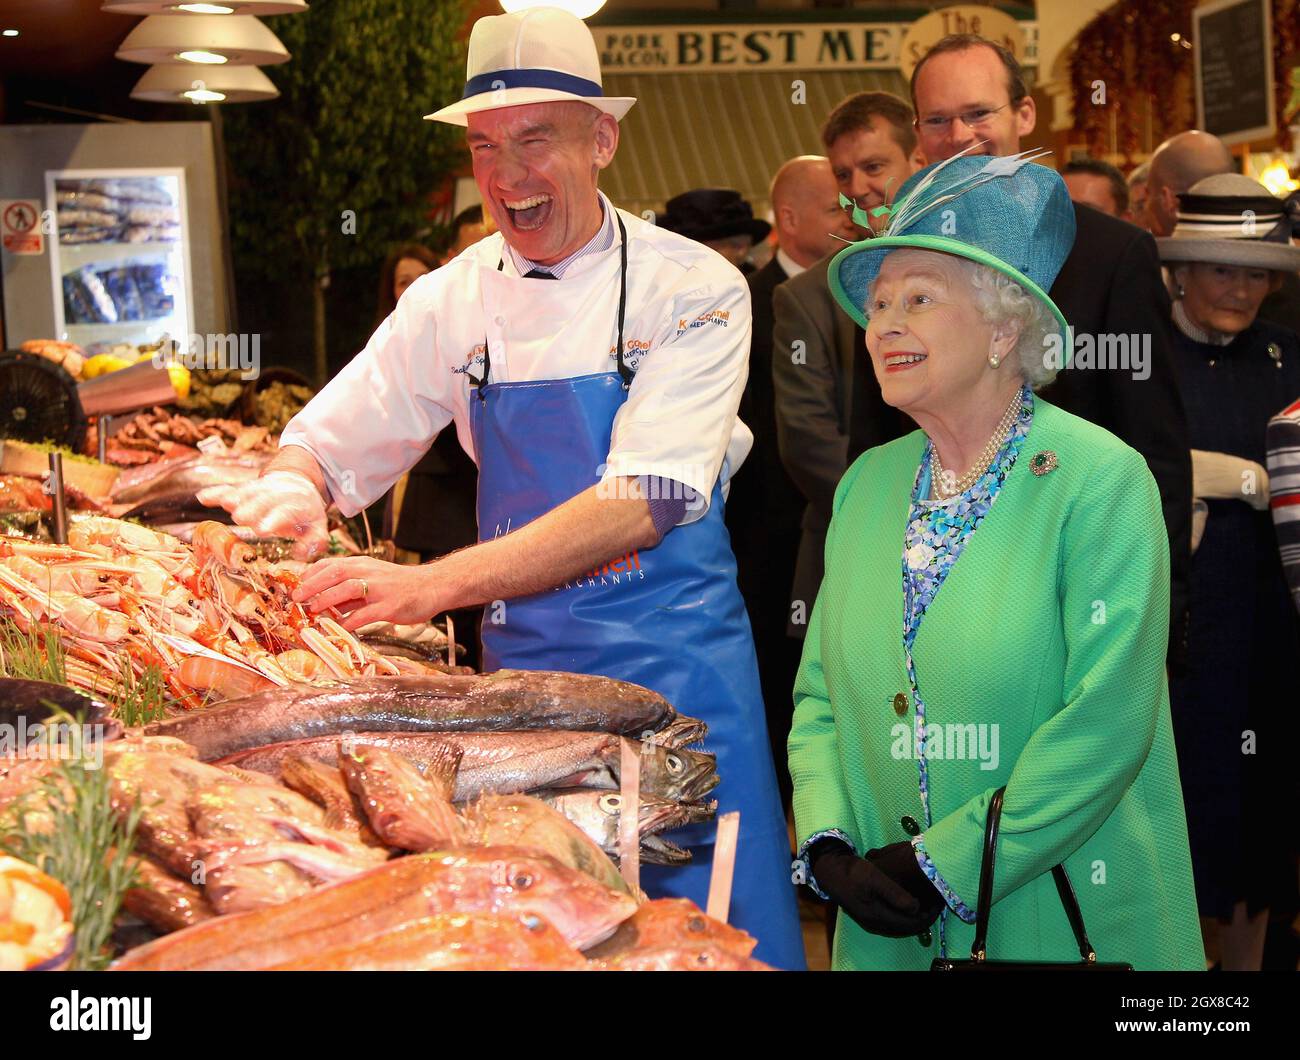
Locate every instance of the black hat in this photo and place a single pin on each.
(712, 213)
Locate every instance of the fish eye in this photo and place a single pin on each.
(610, 803)
(696, 923)
(522, 881)
(675, 764)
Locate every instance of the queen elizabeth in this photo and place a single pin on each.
(994, 615)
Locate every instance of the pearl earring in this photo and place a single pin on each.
(1182, 293)
(993, 360)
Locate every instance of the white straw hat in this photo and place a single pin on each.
(1230, 219)
(537, 55)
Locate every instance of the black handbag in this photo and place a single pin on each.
(979, 961)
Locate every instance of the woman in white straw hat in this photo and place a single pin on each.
(600, 408)
(1232, 243)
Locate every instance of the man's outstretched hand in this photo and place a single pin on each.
(369, 590)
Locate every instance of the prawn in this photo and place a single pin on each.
(81, 617)
(212, 540)
(243, 602)
(300, 665)
(17, 546)
(119, 536)
(65, 577)
(226, 679)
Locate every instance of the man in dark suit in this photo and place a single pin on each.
(764, 506)
(828, 406)
(968, 91)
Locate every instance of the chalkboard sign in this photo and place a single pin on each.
(1234, 70)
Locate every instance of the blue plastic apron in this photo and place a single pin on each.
(670, 618)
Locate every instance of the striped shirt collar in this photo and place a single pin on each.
(601, 241)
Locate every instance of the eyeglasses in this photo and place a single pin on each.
(972, 119)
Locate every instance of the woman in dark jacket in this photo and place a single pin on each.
(432, 511)
(1230, 249)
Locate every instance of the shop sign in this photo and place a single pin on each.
(801, 46)
(20, 226)
(987, 22)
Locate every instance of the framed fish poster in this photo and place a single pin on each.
(120, 255)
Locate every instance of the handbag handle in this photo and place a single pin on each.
(985, 900)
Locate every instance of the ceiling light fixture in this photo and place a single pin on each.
(239, 40)
(206, 58)
(221, 7)
(171, 83)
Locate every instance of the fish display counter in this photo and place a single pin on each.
(218, 778)
(265, 790)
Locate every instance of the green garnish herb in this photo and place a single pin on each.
(34, 656)
(86, 846)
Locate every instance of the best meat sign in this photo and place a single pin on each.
(803, 46)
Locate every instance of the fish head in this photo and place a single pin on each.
(655, 849)
(598, 813)
(677, 774)
(682, 730)
(654, 814)
(518, 881)
(679, 922)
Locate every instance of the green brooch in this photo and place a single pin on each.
(1043, 462)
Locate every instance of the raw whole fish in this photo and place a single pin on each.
(495, 881)
(432, 702)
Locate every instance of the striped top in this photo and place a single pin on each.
(602, 240)
(1283, 444)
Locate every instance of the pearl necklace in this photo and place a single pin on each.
(939, 478)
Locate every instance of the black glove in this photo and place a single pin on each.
(898, 862)
(877, 891)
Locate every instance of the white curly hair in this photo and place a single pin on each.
(1001, 300)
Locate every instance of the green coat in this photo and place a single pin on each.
(1050, 630)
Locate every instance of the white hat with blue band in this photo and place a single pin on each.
(538, 55)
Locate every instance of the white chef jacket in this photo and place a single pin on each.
(686, 334)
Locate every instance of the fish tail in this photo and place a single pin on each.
(443, 764)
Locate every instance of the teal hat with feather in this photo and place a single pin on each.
(1003, 212)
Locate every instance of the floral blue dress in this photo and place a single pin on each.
(937, 532)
